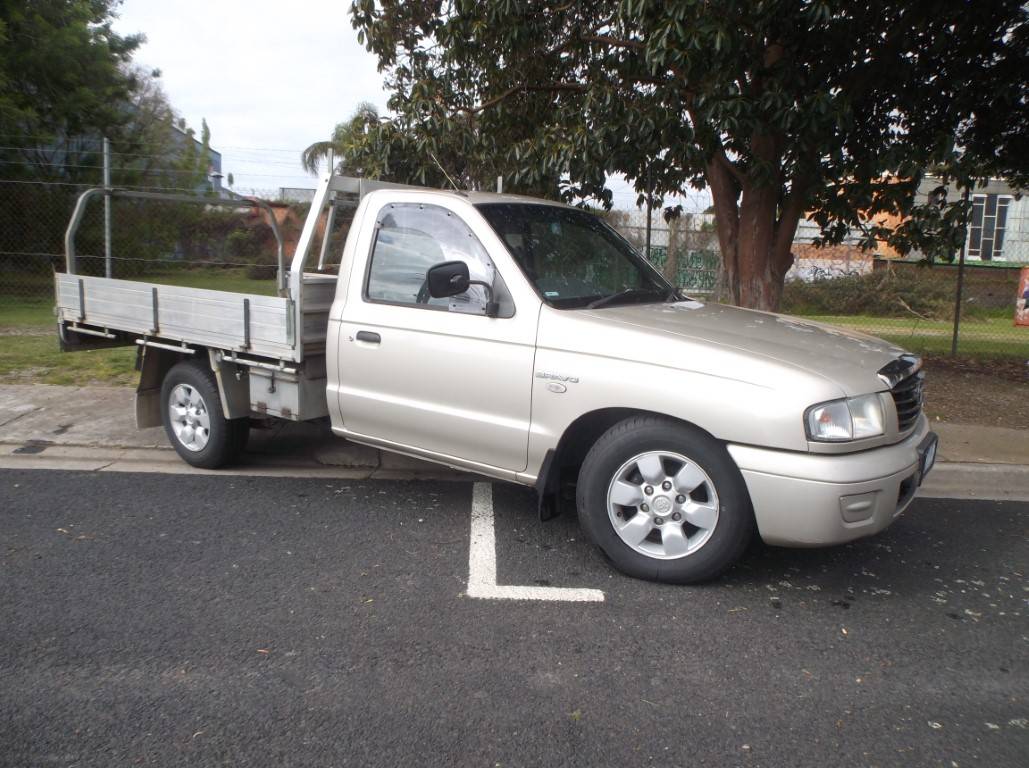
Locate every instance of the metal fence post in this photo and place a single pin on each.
(650, 206)
(107, 208)
(671, 265)
(961, 277)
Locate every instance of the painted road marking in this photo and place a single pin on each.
(482, 561)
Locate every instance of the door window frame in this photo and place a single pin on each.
(370, 261)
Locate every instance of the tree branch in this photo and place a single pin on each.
(729, 165)
(617, 42)
(789, 217)
(520, 88)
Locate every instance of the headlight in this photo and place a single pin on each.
(850, 419)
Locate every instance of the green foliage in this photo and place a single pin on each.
(935, 228)
(781, 107)
(240, 243)
(840, 91)
(62, 68)
(66, 80)
(409, 152)
(347, 146)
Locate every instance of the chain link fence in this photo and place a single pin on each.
(217, 247)
(234, 249)
(914, 306)
(685, 249)
(907, 302)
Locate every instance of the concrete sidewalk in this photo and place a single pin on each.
(93, 428)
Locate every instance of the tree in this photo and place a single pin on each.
(780, 107)
(407, 151)
(64, 80)
(63, 70)
(346, 143)
(937, 227)
(155, 146)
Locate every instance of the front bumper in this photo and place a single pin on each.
(810, 500)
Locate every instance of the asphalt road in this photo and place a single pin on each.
(197, 620)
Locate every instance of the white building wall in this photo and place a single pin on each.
(1016, 235)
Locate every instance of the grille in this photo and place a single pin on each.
(907, 396)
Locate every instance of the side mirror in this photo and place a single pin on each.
(451, 278)
(448, 278)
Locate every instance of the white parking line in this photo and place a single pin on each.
(482, 561)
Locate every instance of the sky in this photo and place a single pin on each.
(270, 78)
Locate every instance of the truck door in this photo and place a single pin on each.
(435, 375)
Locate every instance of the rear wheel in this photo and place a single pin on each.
(664, 501)
(194, 420)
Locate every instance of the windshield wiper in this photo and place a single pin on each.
(604, 301)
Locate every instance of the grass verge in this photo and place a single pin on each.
(989, 337)
(37, 359)
(29, 349)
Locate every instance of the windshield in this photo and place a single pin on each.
(573, 258)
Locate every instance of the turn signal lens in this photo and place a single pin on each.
(852, 419)
(830, 421)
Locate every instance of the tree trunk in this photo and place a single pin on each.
(724, 192)
(755, 235)
(758, 274)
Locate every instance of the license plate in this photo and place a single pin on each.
(927, 455)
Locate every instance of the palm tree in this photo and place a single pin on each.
(345, 139)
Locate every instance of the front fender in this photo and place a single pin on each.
(768, 414)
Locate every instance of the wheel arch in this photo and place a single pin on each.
(561, 463)
(154, 363)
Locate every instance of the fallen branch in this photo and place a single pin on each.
(909, 309)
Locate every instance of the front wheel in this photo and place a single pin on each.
(194, 421)
(664, 501)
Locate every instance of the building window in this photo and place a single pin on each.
(989, 221)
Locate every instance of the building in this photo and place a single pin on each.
(998, 232)
(999, 227)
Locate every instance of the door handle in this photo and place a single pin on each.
(369, 336)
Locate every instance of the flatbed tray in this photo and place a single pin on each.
(260, 325)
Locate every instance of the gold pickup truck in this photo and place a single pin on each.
(526, 340)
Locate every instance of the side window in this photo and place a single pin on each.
(409, 239)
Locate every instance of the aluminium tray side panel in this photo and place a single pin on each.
(192, 315)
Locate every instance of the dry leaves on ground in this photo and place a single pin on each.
(993, 393)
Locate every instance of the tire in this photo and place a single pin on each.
(664, 501)
(193, 418)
